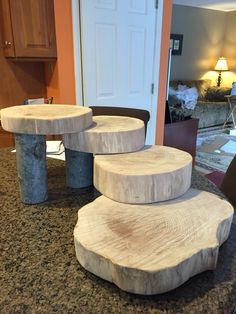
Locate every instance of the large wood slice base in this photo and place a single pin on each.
(108, 135)
(150, 249)
(155, 173)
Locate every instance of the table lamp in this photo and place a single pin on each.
(221, 65)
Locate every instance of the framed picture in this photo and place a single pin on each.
(176, 43)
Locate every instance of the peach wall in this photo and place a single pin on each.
(60, 77)
(165, 44)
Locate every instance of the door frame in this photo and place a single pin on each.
(77, 52)
(156, 63)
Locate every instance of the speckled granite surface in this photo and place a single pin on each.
(40, 274)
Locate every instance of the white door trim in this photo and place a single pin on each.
(156, 74)
(77, 52)
(156, 68)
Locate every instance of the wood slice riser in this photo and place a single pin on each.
(154, 174)
(108, 135)
(46, 119)
(105, 233)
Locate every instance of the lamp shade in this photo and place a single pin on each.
(221, 64)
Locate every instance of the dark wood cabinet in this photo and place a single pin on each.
(28, 29)
(6, 138)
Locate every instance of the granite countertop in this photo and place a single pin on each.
(40, 272)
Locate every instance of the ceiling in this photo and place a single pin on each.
(222, 5)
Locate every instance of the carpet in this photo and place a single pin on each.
(215, 150)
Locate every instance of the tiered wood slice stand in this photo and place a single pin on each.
(150, 232)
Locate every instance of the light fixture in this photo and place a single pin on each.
(221, 65)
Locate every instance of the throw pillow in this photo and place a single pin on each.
(201, 86)
(215, 93)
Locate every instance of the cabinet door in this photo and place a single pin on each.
(7, 36)
(33, 28)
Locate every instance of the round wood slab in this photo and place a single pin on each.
(46, 119)
(108, 135)
(149, 249)
(156, 173)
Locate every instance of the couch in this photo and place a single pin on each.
(211, 109)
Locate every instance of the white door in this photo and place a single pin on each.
(118, 40)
